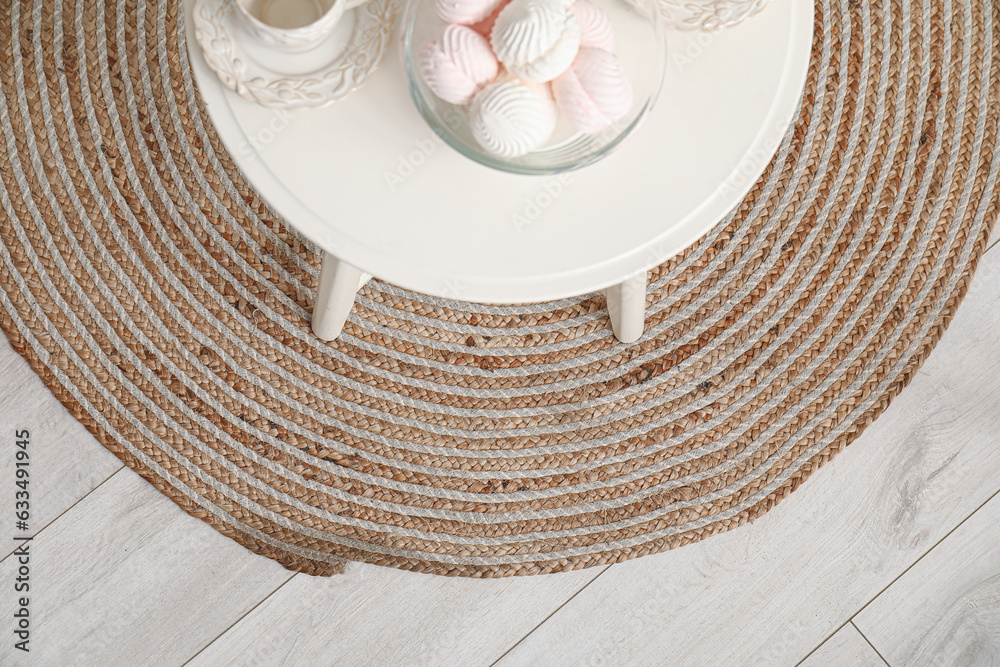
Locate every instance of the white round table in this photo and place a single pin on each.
(369, 182)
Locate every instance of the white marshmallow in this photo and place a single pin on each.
(536, 40)
(511, 118)
(465, 12)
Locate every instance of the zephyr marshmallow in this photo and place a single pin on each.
(594, 92)
(465, 12)
(457, 63)
(536, 40)
(595, 26)
(485, 27)
(511, 118)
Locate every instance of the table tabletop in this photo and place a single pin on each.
(367, 180)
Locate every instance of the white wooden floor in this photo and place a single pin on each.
(890, 554)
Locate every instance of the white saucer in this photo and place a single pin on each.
(324, 74)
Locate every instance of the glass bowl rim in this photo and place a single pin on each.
(431, 118)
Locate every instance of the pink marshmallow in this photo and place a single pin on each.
(594, 92)
(485, 27)
(457, 63)
(595, 26)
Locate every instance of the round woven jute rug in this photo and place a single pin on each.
(169, 309)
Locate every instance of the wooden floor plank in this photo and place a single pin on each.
(946, 609)
(65, 461)
(380, 616)
(770, 592)
(847, 648)
(127, 578)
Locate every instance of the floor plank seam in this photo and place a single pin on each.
(923, 555)
(823, 641)
(234, 623)
(60, 515)
(546, 619)
(868, 641)
(851, 618)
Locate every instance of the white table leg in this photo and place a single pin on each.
(627, 307)
(339, 282)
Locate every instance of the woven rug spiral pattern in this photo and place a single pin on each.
(167, 306)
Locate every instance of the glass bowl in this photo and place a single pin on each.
(639, 44)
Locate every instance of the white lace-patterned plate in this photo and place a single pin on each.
(707, 15)
(324, 74)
